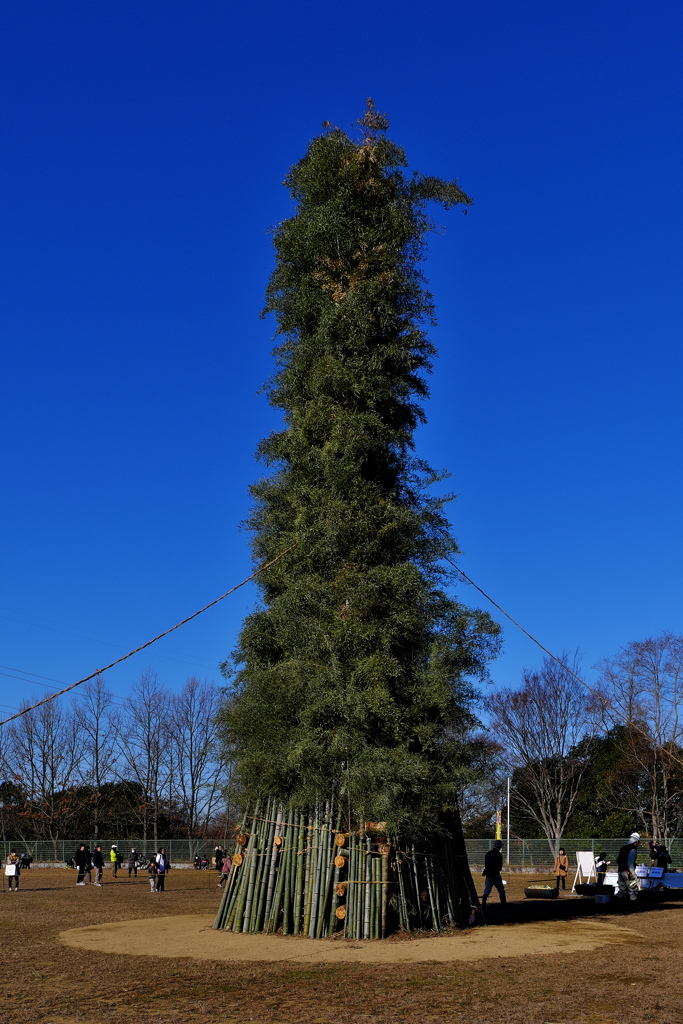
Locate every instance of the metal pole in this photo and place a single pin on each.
(508, 822)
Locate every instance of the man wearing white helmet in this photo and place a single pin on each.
(626, 866)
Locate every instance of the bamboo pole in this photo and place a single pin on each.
(299, 875)
(253, 866)
(323, 923)
(273, 867)
(256, 923)
(282, 871)
(244, 887)
(384, 849)
(290, 855)
(317, 851)
(308, 886)
(429, 865)
(368, 889)
(418, 901)
(400, 859)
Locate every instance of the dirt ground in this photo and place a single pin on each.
(538, 962)
(193, 935)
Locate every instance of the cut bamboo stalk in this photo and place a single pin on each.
(385, 850)
(429, 864)
(323, 917)
(279, 887)
(264, 865)
(252, 856)
(317, 850)
(405, 919)
(299, 875)
(290, 855)
(418, 899)
(308, 885)
(273, 866)
(244, 888)
(368, 890)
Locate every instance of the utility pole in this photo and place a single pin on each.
(508, 823)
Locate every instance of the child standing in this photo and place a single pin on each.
(225, 867)
(12, 869)
(152, 872)
(561, 868)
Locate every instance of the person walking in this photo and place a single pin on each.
(493, 865)
(98, 864)
(561, 868)
(133, 863)
(81, 858)
(88, 864)
(626, 867)
(163, 867)
(225, 870)
(12, 870)
(114, 859)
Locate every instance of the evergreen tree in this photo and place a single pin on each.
(354, 679)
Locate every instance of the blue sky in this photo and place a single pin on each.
(142, 151)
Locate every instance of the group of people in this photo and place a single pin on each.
(134, 861)
(627, 883)
(86, 862)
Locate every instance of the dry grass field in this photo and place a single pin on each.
(44, 981)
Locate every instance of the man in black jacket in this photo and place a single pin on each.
(493, 865)
(81, 860)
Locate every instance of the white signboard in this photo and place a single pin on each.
(585, 867)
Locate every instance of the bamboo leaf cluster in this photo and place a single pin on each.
(357, 666)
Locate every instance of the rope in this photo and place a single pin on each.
(142, 647)
(596, 693)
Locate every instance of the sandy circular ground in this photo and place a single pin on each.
(193, 936)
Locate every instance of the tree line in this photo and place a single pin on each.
(583, 763)
(146, 767)
(595, 762)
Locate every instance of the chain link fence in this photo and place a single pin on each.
(532, 855)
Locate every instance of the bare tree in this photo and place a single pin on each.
(98, 729)
(643, 689)
(198, 763)
(144, 747)
(43, 758)
(540, 726)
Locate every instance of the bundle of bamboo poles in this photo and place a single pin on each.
(297, 872)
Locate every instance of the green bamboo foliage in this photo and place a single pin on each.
(295, 872)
